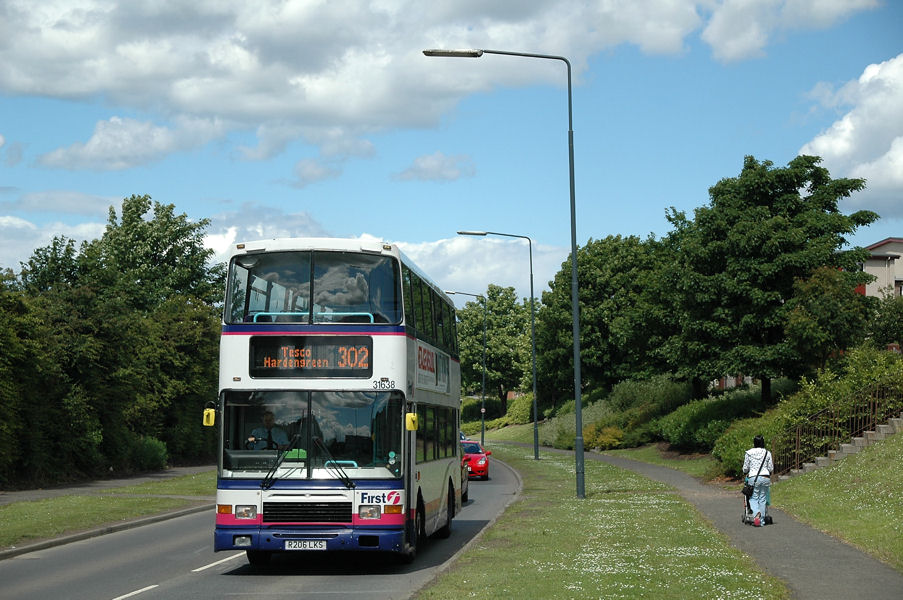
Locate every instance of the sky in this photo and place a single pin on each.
(324, 118)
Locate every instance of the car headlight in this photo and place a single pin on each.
(368, 511)
(482, 461)
(246, 511)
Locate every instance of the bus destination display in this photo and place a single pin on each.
(311, 356)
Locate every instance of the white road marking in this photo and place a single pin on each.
(136, 592)
(204, 568)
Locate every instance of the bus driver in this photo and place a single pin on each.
(268, 437)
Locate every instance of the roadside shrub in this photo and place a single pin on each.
(148, 454)
(568, 408)
(470, 408)
(605, 438)
(733, 443)
(659, 391)
(695, 427)
(520, 410)
(565, 438)
(471, 428)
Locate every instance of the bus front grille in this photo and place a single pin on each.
(307, 512)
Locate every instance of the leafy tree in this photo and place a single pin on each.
(507, 343)
(159, 257)
(112, 349)
(53, 266)
(826, 316)
(740, 256)
(886, 327)
(622, 317)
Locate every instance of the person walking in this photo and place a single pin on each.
(757, 466)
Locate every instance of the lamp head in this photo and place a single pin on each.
(472, 232)
(470, 53)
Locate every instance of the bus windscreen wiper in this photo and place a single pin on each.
(334, 464)
(270, 478)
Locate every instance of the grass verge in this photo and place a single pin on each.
(697, 465)
(25, 522)
(630, 537)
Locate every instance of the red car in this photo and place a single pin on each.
(476, 459)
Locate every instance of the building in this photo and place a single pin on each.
(886, 264)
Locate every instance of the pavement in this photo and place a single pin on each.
(814, 565)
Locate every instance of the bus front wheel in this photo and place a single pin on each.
(418, 535)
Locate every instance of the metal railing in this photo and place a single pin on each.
(827, 429)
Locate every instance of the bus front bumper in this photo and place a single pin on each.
(308, 539)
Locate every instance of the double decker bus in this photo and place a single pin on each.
(339, 402)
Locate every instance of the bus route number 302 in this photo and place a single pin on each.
(384, 383)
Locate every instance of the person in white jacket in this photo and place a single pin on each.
(757, 466)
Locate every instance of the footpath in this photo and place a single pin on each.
(814, 565)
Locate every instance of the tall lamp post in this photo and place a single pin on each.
(532, 329)
(575, 307)
(483, 389)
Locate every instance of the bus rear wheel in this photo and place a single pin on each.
(445, 531)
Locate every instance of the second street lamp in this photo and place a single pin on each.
(575, 306)
(483, 389)
(532, 330)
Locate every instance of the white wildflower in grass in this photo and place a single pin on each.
(631, 537)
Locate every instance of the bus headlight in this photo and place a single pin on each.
(368, 511)
(246, 511)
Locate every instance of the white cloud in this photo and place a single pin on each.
(65, 201)
(867, 141)
(19, 238)
(740, 29)
(463, 261)
(308, 171)
(124, 143)
(318, 71)
(255, 222)
(438, 167)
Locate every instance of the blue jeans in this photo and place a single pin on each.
(759, 499)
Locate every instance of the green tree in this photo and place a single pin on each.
(159, 257)
(886, 327)
(118, 347)
(507, 343)
(52, 266)
(738, 261)
(623, 319)
(825, 316)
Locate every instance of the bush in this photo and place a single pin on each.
(660, 391)
(698, 425)
(730, 448)
(148, 454)
(520, 410)
(605, 438)
(470, 408)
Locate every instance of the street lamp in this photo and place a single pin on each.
(575, 307)
(532, 330)
(483, 389)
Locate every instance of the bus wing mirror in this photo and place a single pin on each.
(410, 421)
(209, 417)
